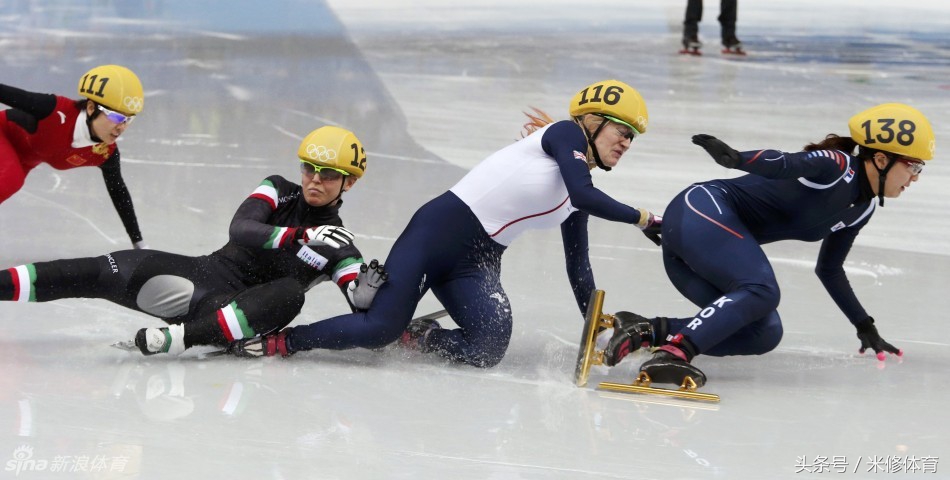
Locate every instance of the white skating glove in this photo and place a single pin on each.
(140, 245)
(362, 290)
(329, 235)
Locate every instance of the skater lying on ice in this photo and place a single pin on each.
(454, 244)
(284, 238)
(712, 232)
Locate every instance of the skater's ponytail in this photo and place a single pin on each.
(833, 142)
(536, 121)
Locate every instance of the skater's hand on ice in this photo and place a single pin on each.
(362, 290)
(650, 225)
(329, 235)
(869, 337)
(720, 152)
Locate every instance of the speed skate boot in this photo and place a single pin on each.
(691, 46)
(732, 46)
(671, 364)
(414, 338)
(263, 346)
(169, 339)
(631, 332)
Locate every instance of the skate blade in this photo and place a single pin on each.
(693, 52)
(213, 353)
(687, 390)
(737, 53)
(658, 400)
(587, 354)
(127, 345)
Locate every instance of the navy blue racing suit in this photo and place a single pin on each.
(712, 233)
(447, 249)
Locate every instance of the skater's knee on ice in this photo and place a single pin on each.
(767, 334)
(489, 352)
(486, 360)
(772, 333)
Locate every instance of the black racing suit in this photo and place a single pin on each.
(253, 285)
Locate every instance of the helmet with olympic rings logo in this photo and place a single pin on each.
(334, 147)
(114, 87)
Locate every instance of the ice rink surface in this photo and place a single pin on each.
(431, 87)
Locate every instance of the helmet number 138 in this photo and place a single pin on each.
(904, 135)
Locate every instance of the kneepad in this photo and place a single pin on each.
(165, 296)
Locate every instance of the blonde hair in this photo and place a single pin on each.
(535, 122)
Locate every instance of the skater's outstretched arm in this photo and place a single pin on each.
(38, 105)
(823, 166)
(121, 199)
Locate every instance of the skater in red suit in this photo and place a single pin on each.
(66, 133)
(713, 231)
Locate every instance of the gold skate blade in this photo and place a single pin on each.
(587, 356)
(642, 385)
(686, 394)
(647, 400)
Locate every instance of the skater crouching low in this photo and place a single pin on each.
(713, 231)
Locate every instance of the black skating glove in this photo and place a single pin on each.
(650, 225)
(720, 152)
(652, 231)
(869, 337)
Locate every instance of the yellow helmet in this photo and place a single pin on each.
(334, 147)
(113, 87)
(894, 128)
(615, 100)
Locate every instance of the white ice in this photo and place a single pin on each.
(431, 88)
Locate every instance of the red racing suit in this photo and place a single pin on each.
(42, 128)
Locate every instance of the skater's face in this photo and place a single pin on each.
(322, 186)
(899, 178)
(107, 126)
(612, 141)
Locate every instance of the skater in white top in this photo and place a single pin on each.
(454, 243)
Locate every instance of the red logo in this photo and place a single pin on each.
(76, 160)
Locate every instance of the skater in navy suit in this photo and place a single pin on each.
(713, 230)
